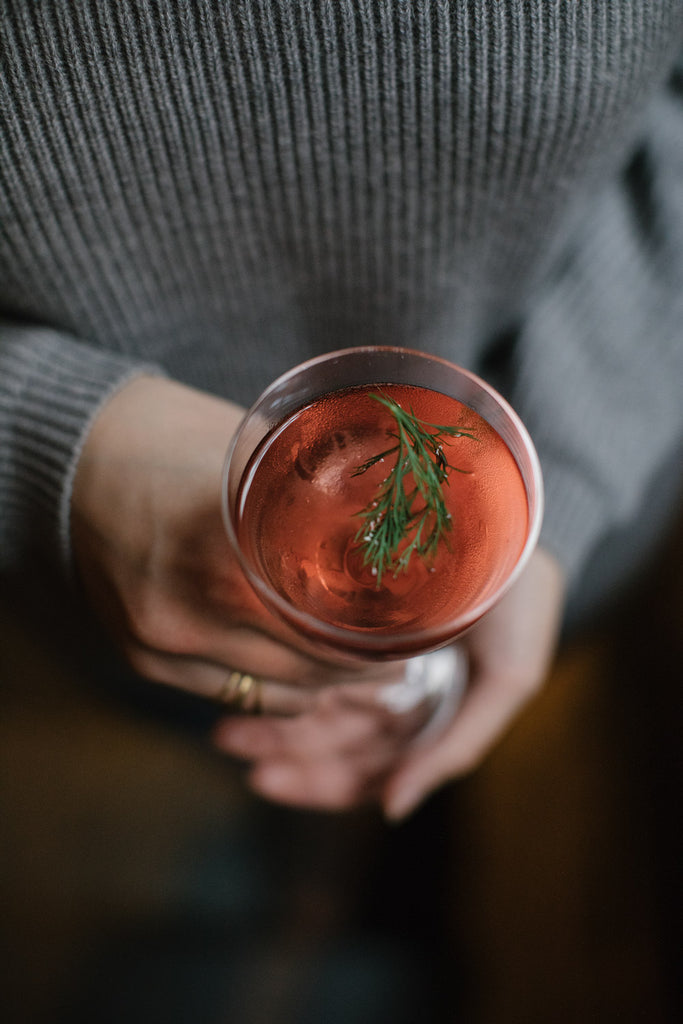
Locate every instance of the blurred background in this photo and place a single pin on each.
(140, 881)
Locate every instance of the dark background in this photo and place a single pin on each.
(140, 881)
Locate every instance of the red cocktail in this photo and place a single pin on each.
(316, 451)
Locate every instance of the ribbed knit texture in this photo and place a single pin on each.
(222, 189)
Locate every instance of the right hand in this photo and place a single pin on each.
(309, 761)
(151, 551)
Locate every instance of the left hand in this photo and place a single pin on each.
(348, 749)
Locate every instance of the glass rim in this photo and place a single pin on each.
(358, 641)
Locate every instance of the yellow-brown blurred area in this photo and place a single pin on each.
(541, 890)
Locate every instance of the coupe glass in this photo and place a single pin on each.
(430, 668)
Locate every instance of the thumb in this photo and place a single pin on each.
(486, 710)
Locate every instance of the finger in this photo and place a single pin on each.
(484, 714)
(242, 648)
(328, 730)
(331, 785)
(214, 681)
(290, 680)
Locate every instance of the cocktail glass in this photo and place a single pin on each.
(299, 551)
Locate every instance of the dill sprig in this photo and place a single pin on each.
(408, 514)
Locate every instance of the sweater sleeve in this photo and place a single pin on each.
(596, 371)
(51, 388)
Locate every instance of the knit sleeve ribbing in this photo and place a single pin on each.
(51, 388)
(598, 367)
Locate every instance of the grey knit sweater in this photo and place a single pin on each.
(221, 188)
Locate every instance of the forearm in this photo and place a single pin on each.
(51, 388)
(597, 368)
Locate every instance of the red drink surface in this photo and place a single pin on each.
(299, 499)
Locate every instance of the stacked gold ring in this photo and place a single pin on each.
(242, 692)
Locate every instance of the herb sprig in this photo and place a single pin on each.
(403, 520)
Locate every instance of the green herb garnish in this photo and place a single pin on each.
(408, 514)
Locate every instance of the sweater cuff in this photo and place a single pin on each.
(51, 389)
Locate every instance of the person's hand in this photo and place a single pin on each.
(510, 652)
(154, 561)
(151, 552)
(153, 558)
(346, 749)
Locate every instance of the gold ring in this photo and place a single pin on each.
(242, 692)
